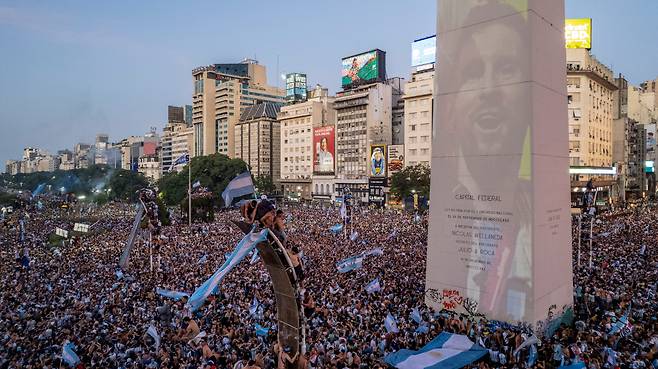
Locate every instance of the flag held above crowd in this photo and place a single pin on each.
(241, 185)
(174, 295)
(336, 228)
(183, 159)
(446, 351)
(68, 355)
(373, 286)
(350, 264)
(391, 324)
(244, 247)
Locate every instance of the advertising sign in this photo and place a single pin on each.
(323, 150)
(578, 33)
(363, 68)
(395, 159)
(423, 51)
(378, 160)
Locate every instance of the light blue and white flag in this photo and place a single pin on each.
(532, 356)
(119, 274)
(68, 355)
(354, 236)
(37, 191)
(390, 324)
(196, 184)
(261, 331)
(446, 351)
(243, 248)
(183, 159)
(373, 286)
(154, 333)
(343, 211)
(254, 257)
(336, 228)
(377, 251)
(240, 185)
(423, 328)
(253, 309)
(415, 315)
(350, 264)
(174, 295)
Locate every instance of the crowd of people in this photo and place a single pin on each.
(52, 294)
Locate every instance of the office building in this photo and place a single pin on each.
(299, 124)
(363, 119)
(590, 88)
(177, 139)
(175, 114)
(397, 113)
(296, 90)
(221, 93)
(418, 103)
(258, 140)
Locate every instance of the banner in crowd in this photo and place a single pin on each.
(244, 247)
(373, 286)
(61, 232)
(446, 351)
(174, 295)
(337, 228)
(81, 227)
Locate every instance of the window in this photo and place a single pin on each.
(413, 127)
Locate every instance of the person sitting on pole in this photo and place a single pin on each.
(248, 211)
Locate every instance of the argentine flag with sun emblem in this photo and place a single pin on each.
(447, 351)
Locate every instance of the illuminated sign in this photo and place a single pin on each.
(423, 51)
(578, 33)
(363, 68)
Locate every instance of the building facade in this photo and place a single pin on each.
(298, 123)
(418, 103)
(221, 93)
(258, 140)
(363, 119)
(590, 88)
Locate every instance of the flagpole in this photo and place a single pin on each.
(189, 192)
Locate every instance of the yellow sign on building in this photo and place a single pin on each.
(578, 33)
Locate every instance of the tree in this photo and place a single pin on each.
(212, 171)
(412, 179)
(264, 184)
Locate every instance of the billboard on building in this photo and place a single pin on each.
(296, 87)
(395, 159)
(378, 160)
(323, 150)
(423, 51)
(578, 33)
(364, 68)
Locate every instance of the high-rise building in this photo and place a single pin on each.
(649, 96)
(363, 119)
(175, 114)
(221, 94)
(397, 111)
(132, 148)
(175, 139)
(302, 175)
(296, 90)
(418, 103)
(590, 88)
(258, 140)
(188, 115)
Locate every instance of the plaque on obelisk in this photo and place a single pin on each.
(500, 233)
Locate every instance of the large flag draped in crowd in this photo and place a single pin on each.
(239, 186)
(446, 351)
(243, 248)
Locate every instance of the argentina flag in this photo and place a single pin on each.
(239, 186)
(174, 295)
(336, 228)
(373, 286)
(183, 159)
(243, 248)
(446, 351)
(350, 264)
(68, 355)
(390, 324)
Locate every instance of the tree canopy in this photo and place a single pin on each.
(212, 171)
(413, 178)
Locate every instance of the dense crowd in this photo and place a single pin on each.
(52, 294)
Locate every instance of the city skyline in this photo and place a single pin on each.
(92, 68)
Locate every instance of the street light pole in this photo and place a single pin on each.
(189, 193)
